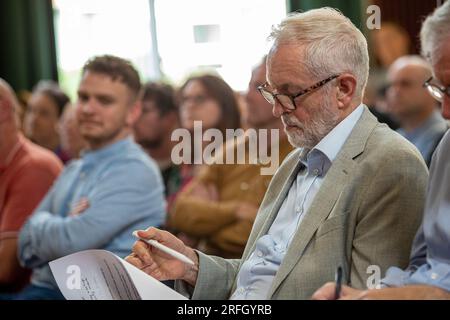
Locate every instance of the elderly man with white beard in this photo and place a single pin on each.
(350, 195)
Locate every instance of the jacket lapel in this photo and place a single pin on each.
(327, 196)
(268, 220)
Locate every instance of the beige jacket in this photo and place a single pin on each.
(365, 213)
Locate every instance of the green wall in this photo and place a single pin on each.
(354, 9)
(27, 42)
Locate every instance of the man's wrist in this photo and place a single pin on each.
(192, 270)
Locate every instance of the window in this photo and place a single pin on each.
(227, 37)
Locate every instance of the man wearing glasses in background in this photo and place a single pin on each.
(411, 104)
(350, 195)
(428, 273)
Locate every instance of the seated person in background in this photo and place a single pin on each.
(153, 131)
(99, 200)
(27, 171)
(209, 101)
(428, 273)
(45, 108)
(351, 194)
(220, 205)
(420, 120)
(69, 130)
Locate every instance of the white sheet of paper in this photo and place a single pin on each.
(101, 275)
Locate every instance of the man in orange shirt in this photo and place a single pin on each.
(26, 173)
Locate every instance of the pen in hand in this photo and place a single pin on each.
(338, 279)
(165, 249)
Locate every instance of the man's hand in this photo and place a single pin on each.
(79, 207)
(207, 192)
(160, 265)
(327, 292)
(246, 211)
(412, 292)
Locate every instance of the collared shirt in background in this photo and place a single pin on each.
(428, 135)
(125, 193)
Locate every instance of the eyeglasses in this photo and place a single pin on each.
(436, 91)
(288, 101)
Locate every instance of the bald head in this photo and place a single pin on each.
(406, 95)
(413, 61)
(8, 104)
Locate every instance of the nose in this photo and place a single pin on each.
(87, 107)
(278, 109)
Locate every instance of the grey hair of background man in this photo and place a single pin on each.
(435, 32)
(332, 44)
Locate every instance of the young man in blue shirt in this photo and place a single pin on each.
(99, 200)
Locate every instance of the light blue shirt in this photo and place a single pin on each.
(430, 254)
(257, 273)
(427, 136)
(125, 192)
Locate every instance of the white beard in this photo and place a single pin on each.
(309, 134)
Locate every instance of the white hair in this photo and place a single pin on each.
(333, 44)
(435, 31)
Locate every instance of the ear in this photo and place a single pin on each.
(346, 90)
(5, 109)
(134, 112)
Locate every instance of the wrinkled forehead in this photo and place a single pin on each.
(286, 65)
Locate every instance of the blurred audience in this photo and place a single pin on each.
(375, 100)
(99, 200)
(71, 140)
(45, 108)
(209, 101)
(219, 207)
(390, 42)
(153, 131)
(27, 171)
(417, 111)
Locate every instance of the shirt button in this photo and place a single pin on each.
(434, 276)
(260, 254)
(316, 172)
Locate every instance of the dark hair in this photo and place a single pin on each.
(162, 94)
(220, 91)
(52, 90)
(116, 68)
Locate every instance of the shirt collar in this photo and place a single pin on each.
(319, 159)
(92, 157)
